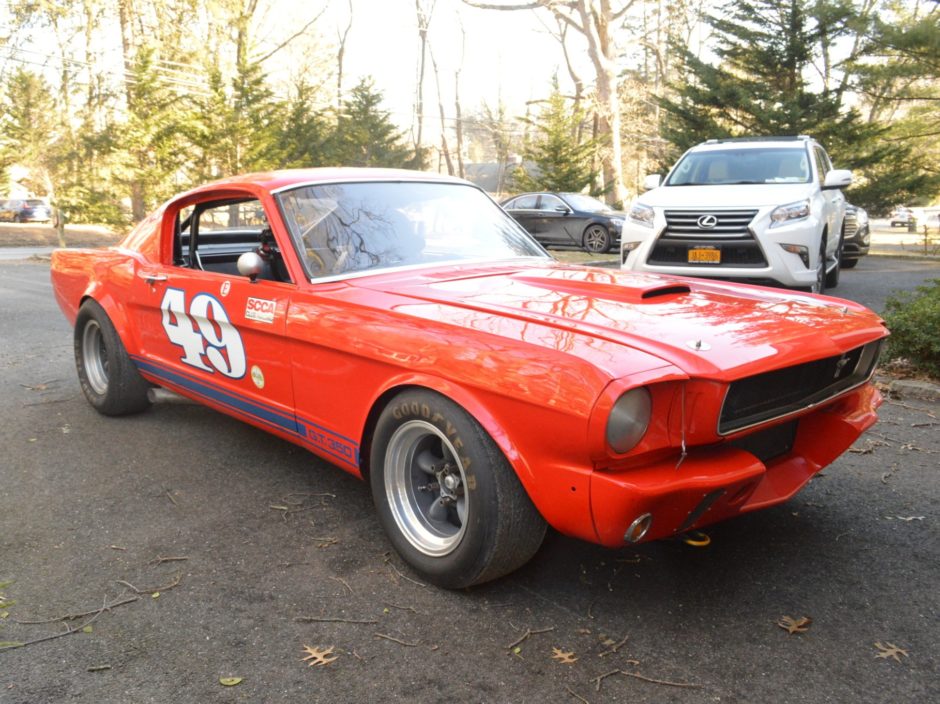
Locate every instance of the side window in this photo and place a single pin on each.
(523, 203)
(550, 203)
(212, 236)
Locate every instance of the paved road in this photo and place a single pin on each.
(272, 535)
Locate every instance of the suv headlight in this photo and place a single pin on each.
(642, 214)
(629, 419)
(788, 212)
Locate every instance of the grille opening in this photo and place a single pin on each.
(762, 397)
(677, 290)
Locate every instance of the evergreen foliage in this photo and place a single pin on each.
(914, 318)
(562, 159)
(365, 135)
(766, 51)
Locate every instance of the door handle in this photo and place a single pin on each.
(151, 276)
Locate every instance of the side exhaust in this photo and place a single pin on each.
(639, 528)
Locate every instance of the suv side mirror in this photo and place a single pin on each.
(838, 178)
(652, 181)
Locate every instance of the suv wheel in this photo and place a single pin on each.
(832, 277)
(820, 285)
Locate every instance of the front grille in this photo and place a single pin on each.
(737, 253)
(851, 224)
(775, 394)
(730, 224)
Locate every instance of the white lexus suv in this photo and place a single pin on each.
(764, 210)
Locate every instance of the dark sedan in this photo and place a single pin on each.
(567, 219)
(856, 236)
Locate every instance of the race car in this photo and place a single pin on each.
(403, 327)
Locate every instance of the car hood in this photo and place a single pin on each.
(706, 329)
(740, 196)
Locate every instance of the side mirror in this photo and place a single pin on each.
(561, 209)
(250, 264)
(838, 178)
(652, 181)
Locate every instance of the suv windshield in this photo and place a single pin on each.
(721, 167)
(344, 228)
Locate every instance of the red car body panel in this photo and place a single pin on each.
(537, 352)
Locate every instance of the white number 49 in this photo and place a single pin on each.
(211, 339)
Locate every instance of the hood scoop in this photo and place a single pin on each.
(613, 287)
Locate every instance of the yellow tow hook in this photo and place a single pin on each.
(696, 538)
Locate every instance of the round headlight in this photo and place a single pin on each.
(629, 419)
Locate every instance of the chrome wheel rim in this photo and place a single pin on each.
(95, 357)
(425, 486)
(596, 239)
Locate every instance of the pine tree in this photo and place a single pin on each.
(365, 135)
(560, 161)
(303, 135)
(766, 51)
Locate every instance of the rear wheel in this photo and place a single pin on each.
(108, 377)
(849, 263)
(449, 501)
(596, 239)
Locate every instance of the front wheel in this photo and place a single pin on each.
(447, 498)
(849, 263)
(596, 239)
(108, 377)
(832, 276)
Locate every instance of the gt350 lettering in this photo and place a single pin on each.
(208, 339)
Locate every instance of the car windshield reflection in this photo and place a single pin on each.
(346, 228)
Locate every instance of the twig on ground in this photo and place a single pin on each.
(332, 619)
(344, 583)
(404, 576)
(166, 588)
(98, 668)
(644, 678)
(925, 411)
(614, 648)
(169, 495)
(72, 617)
(160, 560)
(528, 632)
(69, 631)
(402, 608)
(396, 640)
(576, 695)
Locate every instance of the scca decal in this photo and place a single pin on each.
(212, 343)
(260, 309)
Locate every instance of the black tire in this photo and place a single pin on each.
(832, 276)
(458, 518)
(820, 285)
(108, 377)
(596, 239)
(849, 263)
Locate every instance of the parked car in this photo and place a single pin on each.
(401, 326)
(762, 210)
(25, 210)
(567, 219)
(856, 236)
(901, 216)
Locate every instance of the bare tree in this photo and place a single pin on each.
(458, 127)
(445, 148)
(597, 21)
(340, 54)
(423, 14)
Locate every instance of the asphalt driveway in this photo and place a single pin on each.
(224, 552)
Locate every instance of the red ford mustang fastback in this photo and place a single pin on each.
(401, 326)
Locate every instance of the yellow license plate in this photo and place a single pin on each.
(705, 255)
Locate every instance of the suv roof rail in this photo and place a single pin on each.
(781, 138)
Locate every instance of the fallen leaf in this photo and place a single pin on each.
(792, 625)
(88, 629)
(229, 681)
(316, 656)
(889, 650)
(563, 657)
(155, 595)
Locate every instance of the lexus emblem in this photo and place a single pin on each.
(707, 222)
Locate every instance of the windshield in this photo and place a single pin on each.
(351, 227)
(579, 201)
(741, 166)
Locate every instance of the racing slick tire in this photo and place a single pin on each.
(108, 377)
(446, 496)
